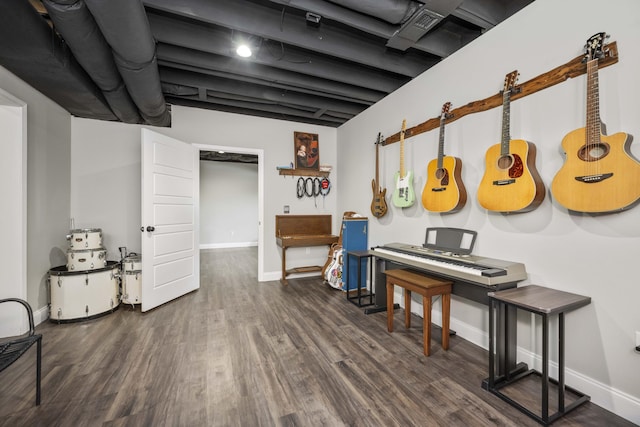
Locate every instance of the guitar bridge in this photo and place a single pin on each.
(504, 182)
(439, 189)
(588, 179)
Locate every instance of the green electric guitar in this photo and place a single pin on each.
(403, 196)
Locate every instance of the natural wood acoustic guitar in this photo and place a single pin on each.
(378, 204)
(404, 195)
(511, 182)
(444, 190)
(599, 174)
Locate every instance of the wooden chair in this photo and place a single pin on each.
(13, 348)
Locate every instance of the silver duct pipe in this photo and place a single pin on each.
(125, 27)
(392, 11)
(74, 22)
(31, 50)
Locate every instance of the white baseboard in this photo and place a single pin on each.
(228, 245)
(275, 275)
(41, 315)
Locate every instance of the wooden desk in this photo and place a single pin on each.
(544, 302)
(302, 231)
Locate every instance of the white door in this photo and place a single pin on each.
(170, 258)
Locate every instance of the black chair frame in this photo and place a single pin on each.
(12, 349)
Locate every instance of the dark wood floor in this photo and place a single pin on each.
(242, 353)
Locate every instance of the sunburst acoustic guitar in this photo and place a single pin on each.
(599, 174)
(511, 182)
(444, 190)
(404, 195)
(378, 204)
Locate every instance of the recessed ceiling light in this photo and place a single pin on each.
(244, 51)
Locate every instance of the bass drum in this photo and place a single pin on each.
(83, 295)
(132, 286)
(86, 259)
(85, 238)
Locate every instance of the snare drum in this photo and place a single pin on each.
(85, 238)
(83, 295)
(86, 259)
(132, 262)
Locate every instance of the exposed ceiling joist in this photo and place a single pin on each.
(313, 61)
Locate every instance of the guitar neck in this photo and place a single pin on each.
(402, 170)
(377, 149)
(506, 124)
(594, 125)
(441, 143)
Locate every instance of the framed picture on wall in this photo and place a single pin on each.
(307, 150)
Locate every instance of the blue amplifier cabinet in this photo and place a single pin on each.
(354, 238)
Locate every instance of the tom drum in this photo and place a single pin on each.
(83, 295)
(86, 259)
(85, 238)
(132, 287)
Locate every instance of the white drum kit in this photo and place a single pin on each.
(89, 286)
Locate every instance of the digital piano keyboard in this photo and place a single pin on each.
(469, 268)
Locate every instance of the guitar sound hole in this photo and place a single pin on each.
(593, 152)
(505, 162)
(443, 176)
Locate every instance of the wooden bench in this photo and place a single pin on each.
(427, 287)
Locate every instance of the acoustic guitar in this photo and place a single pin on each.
(403, 196)
(334, 249)
(599, 174)
(378, 204)
(444, 190)
(511, 182)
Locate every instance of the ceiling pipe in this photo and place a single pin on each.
(392, 11)
(72, 19)
(126, 29)
(31, 50)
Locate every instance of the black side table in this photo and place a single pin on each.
(544, 302)
(368, 295)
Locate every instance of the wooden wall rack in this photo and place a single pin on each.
(573, 68)
(303, 172)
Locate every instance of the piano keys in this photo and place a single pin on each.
(473, 276)
(482, 270)
(302, 231)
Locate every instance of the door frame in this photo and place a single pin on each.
(16, 260)
(241, 150)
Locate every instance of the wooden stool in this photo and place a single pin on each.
(427, 287)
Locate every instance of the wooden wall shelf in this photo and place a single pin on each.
(573, 68)
(303, 172)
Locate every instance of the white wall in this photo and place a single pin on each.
(105, 174)
(48, 167)
(228, 204)
(585, 254)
